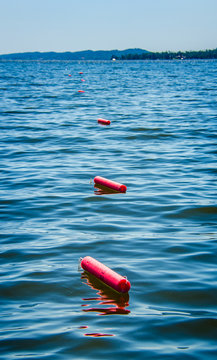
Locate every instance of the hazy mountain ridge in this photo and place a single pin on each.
(78, 55)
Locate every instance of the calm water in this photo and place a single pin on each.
(161, 234)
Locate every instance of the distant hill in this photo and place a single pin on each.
(169, 55)
(78, 55)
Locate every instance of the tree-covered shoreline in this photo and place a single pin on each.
(128, 54)
(169, 55)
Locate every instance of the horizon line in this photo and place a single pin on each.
(108, 50)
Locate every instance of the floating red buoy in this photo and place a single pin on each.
(81, 72)
(98, 334)
(109, 183)
(105, 274)
(104, 122)
(81, 91)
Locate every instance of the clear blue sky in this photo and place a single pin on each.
(73, 25)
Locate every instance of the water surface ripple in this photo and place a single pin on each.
(161, 234)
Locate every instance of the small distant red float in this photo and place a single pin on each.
(105, 274)
(104, 122)
(110, 184)
(98, 334)
(80, 72)
(81, 91)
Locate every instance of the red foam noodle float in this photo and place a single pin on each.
(104, 122)
(105, 274)
(81, 91)
(99, 180)
(98, 334)
(81, 72)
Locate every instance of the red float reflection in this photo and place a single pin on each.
(98, 334)
(103, 190)
(109, 302)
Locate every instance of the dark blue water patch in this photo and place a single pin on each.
(196, 328)
(203, 213)
(185, 299)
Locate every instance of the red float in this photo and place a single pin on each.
(81, 91)
(98, 334)
(110, 184)
(104, 122)
(105, 274)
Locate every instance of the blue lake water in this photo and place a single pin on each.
(161, 234)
